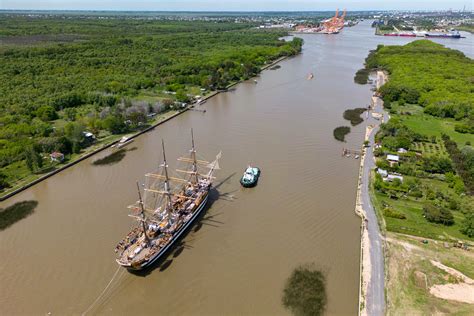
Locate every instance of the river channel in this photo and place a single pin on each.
(236, 259)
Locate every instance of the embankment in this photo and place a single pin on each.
(363, 206)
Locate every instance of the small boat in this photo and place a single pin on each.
(250, 177)
(310, 76)
(124, 141)
(255, 81)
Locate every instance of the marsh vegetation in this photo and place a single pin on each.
(353, 115)
(341, 132)
(305, 291)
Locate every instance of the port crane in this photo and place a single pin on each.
(334, 24)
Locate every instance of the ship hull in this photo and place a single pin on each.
(443, 35)
(178, 234)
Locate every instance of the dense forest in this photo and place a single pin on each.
(430, 98)
(425, 73)
(62, 77)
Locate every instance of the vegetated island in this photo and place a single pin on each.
(72, 85)
(305, 291)
(341, 132)
(353, 115)
(423, 187)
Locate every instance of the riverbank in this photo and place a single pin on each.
(162, 119)
(428, 269)
(371, 283)
(91, 152)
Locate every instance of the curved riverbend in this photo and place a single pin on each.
(237, 258)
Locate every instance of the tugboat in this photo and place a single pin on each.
(250, 177)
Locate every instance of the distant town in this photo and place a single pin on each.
(403, 23)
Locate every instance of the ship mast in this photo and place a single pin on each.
(167, 179)
(193, 156)
(142, 210)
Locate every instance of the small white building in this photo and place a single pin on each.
(393, 160)
(392, 177)
(382, 172)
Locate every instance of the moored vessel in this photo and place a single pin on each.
(168, 207)
(124, 141)
(451, 34)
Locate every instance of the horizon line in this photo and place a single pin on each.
(227, 11)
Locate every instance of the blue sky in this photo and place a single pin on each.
(233, 5)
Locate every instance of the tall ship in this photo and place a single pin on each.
(168, 207)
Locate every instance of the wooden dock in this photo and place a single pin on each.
(351, 153)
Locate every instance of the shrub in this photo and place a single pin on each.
(114, 124)
(468, 225)
(46, 113)
(3, 181)
(438, 214)
(464, 128)
(390, 212)
(305, 291)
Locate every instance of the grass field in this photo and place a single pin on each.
(414, 223)
(412, 115)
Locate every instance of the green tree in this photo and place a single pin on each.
(468, 225)
(438, 214)
(33, 159)
(74, 131)
(181, 96)
(46, 113)
(70, 114)
(114, 124)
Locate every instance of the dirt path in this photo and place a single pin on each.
(460, 292)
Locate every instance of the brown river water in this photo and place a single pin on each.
(235, 260)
